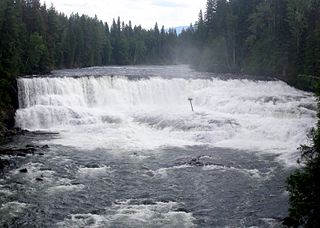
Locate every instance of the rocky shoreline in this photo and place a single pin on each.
(13, 151)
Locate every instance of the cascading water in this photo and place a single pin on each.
(129, 152)
(242, 114)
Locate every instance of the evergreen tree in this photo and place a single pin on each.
(211, 9)
(10, 55)
(297, 21)
(304, 185)
(38, 60)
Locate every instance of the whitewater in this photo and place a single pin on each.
(123, 112)
(126, 150)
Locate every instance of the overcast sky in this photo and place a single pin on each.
(170, 13)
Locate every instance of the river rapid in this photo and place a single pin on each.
(126, 150)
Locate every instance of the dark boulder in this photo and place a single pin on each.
(20, 154)
(181, 209)
(196, 162)
(23, 170)
(30, 146)
(92, 166)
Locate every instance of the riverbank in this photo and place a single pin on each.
(6, 123)
(6, 135)
(7, 132)
(9, 150)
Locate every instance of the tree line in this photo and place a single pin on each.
(269, 37)
(35, 39)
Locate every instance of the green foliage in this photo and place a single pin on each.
(273, 37)
(304, 186)
(10, 58)
(2, 126)
(35, 39)
(296, 17)
(306, 82)
(5, 98)
(38, 56)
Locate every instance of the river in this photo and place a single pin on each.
(126, 150)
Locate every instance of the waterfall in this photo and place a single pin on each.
(48, 102)
(150, 112)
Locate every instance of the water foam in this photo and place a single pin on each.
(116, 112)
(130, 213)
(12, 209)
(94, 171)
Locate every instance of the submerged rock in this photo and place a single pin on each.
(30, 150)
(39, 179)
(196, 162)
(21, 152)
(23, 170)
(15, 131)
(150, 174)
(30, 146)
(3, 163)
(181, 209)
(199, 161)
(148, 202)
(92, 166)
(45, 169)
(12, 151)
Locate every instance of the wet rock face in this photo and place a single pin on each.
(7, 118)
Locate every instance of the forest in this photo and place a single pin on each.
(279, 38)
(275, 37)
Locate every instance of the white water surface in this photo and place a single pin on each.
(127, 114)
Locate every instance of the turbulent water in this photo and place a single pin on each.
(129, 152)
